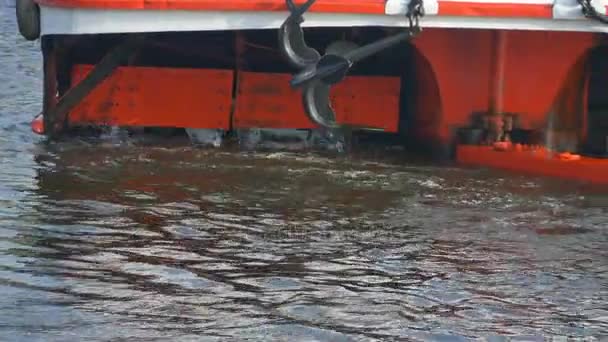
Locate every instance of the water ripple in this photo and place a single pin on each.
(111, 241)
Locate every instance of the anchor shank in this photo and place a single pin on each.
(333, 66)
(336, 68)
(375, 47)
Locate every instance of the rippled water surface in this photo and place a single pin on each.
(119, 241)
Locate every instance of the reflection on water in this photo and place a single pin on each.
(109, 241)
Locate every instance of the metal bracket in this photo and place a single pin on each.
(56, 114)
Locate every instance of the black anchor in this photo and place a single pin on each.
(320, 73)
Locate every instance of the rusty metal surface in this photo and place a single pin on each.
(57, 112)
(158, 97)
(265, 100)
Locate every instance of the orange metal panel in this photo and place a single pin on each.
(331, 6)
(536, 67)
(534, 80)
(161, 97)
(460, 61)
(539, 162)
(266, 101)
(371, 101)
(465, 8)
(37, 125)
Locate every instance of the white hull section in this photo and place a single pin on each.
(55, 20)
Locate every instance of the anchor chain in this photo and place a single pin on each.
(319, 73)
(415, 11)
(590, 12)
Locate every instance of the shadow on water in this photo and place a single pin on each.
(112, 241)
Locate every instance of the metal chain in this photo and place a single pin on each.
(415, 11)
(590, 12)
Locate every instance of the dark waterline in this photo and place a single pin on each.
(117, 241)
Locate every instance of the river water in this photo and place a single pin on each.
(117, 240)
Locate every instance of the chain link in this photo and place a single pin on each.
(415, 11)
(590, 12)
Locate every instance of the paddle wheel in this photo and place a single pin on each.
(489, 82)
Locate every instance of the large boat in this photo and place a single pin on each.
(516, 84)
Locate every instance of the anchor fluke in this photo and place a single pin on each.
(317, 105)
(317, 80)
(291, 37)
(319, 73)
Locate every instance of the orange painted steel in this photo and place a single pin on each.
(536, 67)
(504, 10)
(458, 64)
(328, 6)
(161, 97)
(537, 162)
(37, 124)
(266, 100)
